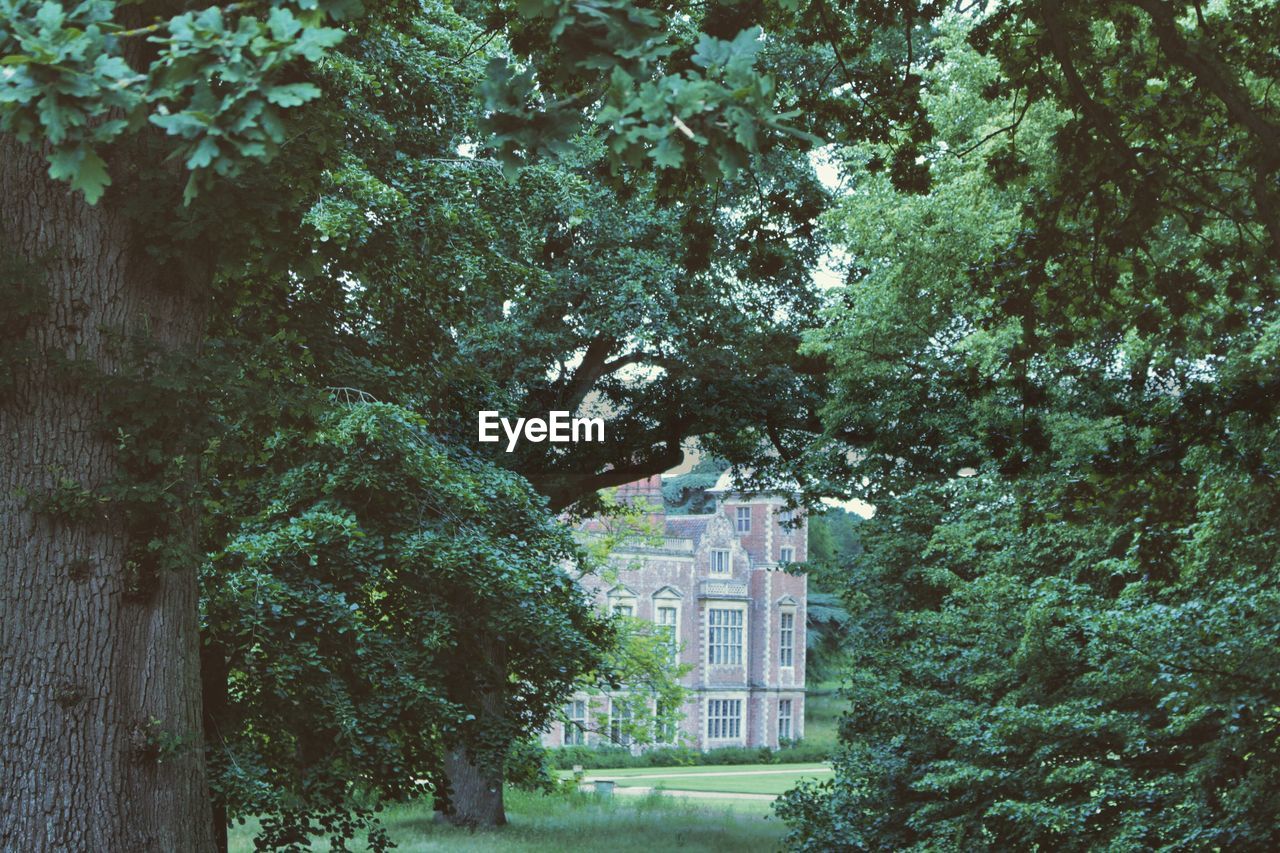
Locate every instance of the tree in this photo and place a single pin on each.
(384, 610)
(426, 278)
(832, 550)
(1062, 636)
(103, 93)
(102, 736)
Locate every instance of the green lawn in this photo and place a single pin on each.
(771, 783)
(699, 769)
(582, 822)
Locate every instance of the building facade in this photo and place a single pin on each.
(716, 583)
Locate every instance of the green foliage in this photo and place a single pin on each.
(832, 547)
(647, 114)
(639, 674)
(352, 605)
(687, 493)
(608, 757)
(1062, 636)
(528, 767)
(70, 77)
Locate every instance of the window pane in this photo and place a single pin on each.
(573, 730)
(619, 720)
(666, 723)
(724, 718)
(667, 624)
(786, 639)
(724, 636)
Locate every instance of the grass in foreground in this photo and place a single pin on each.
(579, 822)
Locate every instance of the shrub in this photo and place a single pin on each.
(529, 767)
(592, 757)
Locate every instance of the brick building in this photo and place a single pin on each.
(716, 580)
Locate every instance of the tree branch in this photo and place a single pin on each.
(563, 489)
(1209, 73)
(1094, 112)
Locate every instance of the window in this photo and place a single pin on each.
(724, 719)
(786, 555)
(786, 639)
(667, 625)
(744, 519)
(720, 561)
(786, 516)
(576, 711)
(784, 720)
(622, 601)
(619, 721)
(724, 636)
(665, 723)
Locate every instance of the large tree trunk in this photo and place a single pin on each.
(474, 765)
(101, 746)
(475, 791)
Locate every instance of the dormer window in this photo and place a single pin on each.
(720, 561)
(744, 519)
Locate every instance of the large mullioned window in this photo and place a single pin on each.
(576, 711)
(665, 723)
(786, 639)
(667, 625)
(784, 720)
(619, 723)
(724, 719)
(724, 636)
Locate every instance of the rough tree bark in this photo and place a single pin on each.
(475, 790)
(100, 727)
(474, 763)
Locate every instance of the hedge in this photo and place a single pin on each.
(596, 757)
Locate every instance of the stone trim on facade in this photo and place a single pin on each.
(674, 572)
